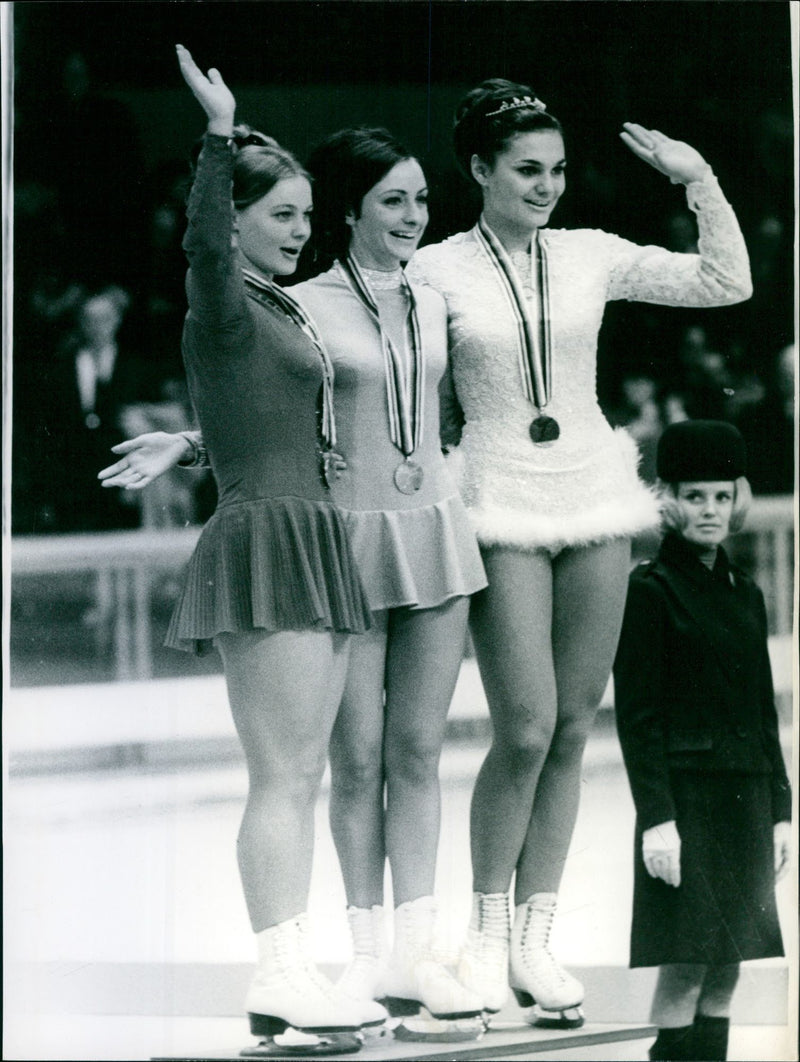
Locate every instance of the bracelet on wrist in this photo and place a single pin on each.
(199, 455)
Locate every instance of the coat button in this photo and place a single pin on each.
(741, 731)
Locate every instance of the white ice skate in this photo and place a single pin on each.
(291, 999)
(535, 976)
(362, 978)
(416, 979)
(483, 964)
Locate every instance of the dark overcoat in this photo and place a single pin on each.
(697, 723)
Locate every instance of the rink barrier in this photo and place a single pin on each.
(126, 565)
(614, 993)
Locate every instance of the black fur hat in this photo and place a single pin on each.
(697, 450)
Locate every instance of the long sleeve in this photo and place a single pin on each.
(718, 275)
(781, 789)
(214, 284)
(638, 681)
(451, 415)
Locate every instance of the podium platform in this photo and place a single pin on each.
(504, 1040)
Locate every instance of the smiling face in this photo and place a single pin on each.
(392, 219)
(274, 229)
(522, 186)
(706, 508)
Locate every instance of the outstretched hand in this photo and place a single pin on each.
(676, 160)
(211, 92)
(145, 458)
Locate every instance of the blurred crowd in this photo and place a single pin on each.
(99, 305)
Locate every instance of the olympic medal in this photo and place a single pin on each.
(544, 429)
(408, 477)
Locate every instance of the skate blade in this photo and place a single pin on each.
(568, 1018)
(427, 1029)
(294, 1043)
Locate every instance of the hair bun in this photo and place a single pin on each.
(489, 95)
(245, 136)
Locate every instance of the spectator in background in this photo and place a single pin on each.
(706, 384)
(75, 414)
(640, 414)
(98, 171)
(768, 428)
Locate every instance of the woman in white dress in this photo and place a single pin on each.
(552, 490)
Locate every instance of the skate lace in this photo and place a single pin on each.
(492, 935)
(536, 955)
(363, 934)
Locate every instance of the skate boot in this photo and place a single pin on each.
(483, 966)
(677, 1045)
(535, 976)
(710, 1037)
(289, 997)
(362, 978)
(415, 979)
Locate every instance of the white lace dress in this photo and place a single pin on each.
(583, 487)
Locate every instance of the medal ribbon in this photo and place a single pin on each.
(534, 340)
(406, 416)
(266, 290)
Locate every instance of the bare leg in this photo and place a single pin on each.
(675, 998)
(357, 774)
(284, 689)
(511, 628)
(589, 588)
(716, 994)
(425, 650)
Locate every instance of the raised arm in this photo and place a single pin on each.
(719, 275)
(214, 285)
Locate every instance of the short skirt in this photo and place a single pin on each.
(270, 564)
(724, 910)
(591, 495)
(417, 558)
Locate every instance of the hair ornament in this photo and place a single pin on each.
(517, 102)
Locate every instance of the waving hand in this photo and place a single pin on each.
(676, 160)
(211, 92)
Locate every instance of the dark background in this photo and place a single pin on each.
(100, 168)
(102, 129)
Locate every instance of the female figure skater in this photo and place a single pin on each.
(699, 732)
(272, 580)
(414, 548)
(552, 491)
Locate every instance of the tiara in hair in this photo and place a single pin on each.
(517, 102)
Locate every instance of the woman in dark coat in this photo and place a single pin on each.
(699, 734)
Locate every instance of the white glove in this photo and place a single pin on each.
(782, 838)
(661, 852)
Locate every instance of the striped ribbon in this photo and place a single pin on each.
(266, 290)
(406, 415)
(535, 350)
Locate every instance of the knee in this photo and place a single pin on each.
(296, 778)
(356, 769)
(522, 747)
(719, 985)
(570, 736)
(412, 760)
(678, 981)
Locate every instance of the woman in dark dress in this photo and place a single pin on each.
(272, 581)
(699, 733)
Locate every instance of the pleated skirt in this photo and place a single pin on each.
(270, 564)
